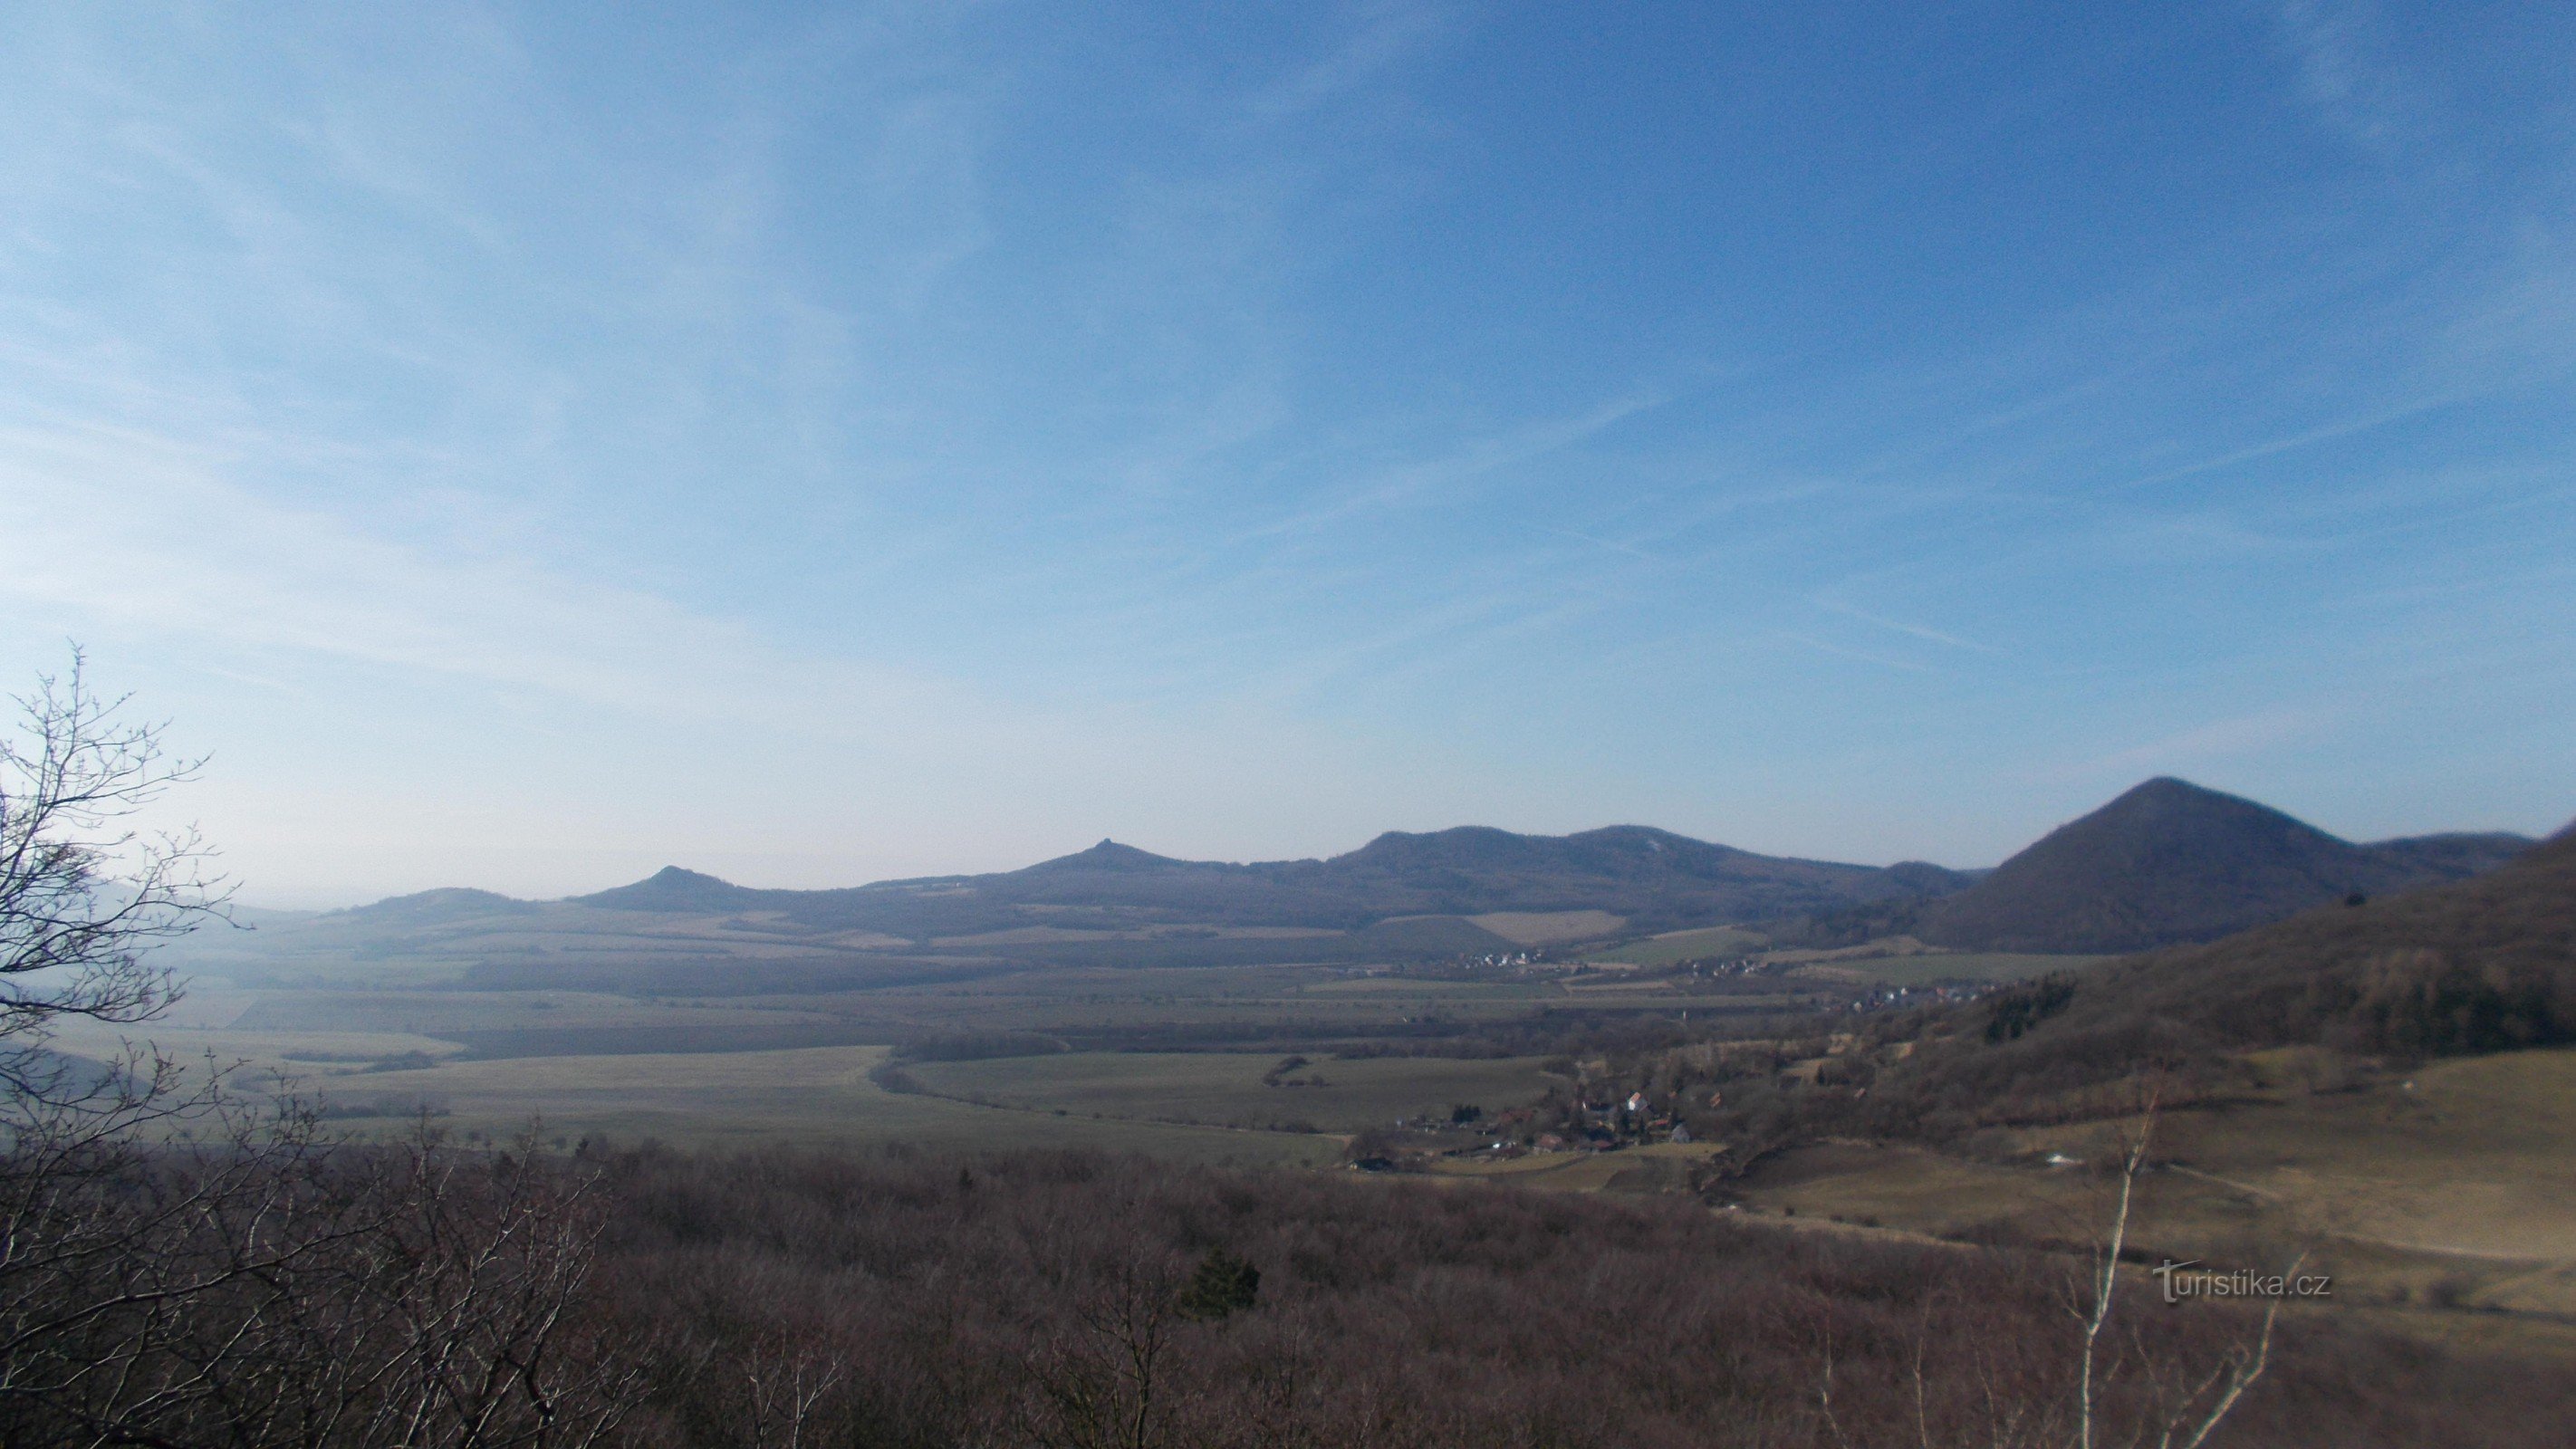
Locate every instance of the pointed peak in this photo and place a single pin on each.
(2166, 798)
(2170, 787)
(674, 889)
(1109, 855)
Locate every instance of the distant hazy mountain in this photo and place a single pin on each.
(2171, 862)
(2166, 862)
(677, 892)
(453, 903)
(1652, 878)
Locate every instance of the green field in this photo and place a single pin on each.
(1942, 966)
(1654, 1168)
(1228, 1089)
(434, 1012)
(717, 1069)
(1677, 946)
(816, 1097)
(1389, 987)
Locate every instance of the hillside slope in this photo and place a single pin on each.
(2171, 862)
(2481, 965)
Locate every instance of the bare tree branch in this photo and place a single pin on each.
(84, 894)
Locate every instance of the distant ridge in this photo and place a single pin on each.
(2167, 862)
(1109, 855)
(678, 892)
(2171, 862)
(448, 903)
(1650, 878)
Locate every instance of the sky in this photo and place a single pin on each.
(526, 447)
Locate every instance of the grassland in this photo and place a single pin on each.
(1239, 1089)
(2450, 1186)
(818, 1096)
(307, 1056)
(785, 1067)
(1657, 1167)
(1904, 963)
(1938, 967)
(448, 1012)
(1550, 928)
(1677, 946)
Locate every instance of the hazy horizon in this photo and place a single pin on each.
(527, 450)
(255, 899)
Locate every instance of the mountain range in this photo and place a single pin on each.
(2167, 862)
(1650, 879)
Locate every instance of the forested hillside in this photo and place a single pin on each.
(2482, 965)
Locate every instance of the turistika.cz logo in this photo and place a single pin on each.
(2181, 1283)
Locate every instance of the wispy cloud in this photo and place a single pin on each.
(1916, 631)
(1606, 545)
(2332, 42)
(1383, 32)
(1098, 402)
(1439, 478)
(1838, 651)
(2293, 442)
(150, 533)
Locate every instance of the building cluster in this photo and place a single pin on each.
(1714, 968)
(1891, 998)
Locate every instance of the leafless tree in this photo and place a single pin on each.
(182, 1263)
(2182, 1408)
(2105, 1285)
(442, 1311)
(84, 893)
(2119, 1381)
(1102, 1378)
(787, 1376)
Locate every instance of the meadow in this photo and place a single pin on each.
(705, 1070)
(1677, 946)
(819, 1097)
(2443, 1187)
(1932, 968)
(1240, 1089)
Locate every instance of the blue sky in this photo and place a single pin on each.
(812, 444)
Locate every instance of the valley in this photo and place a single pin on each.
(1539, 1037)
